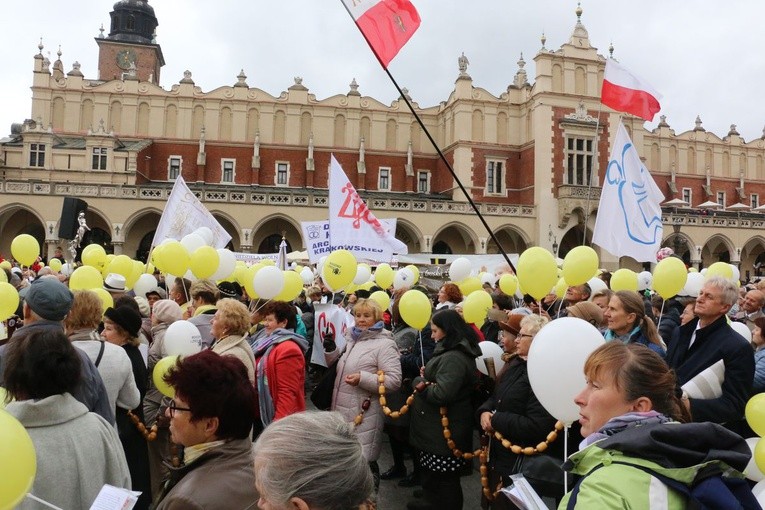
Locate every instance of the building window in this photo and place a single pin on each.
(37, 154)
(227, 175)
(579, 158)
(282, 174)
(383, 179)
(99, 158)
(423, 182)
(754, 200)
(173, 167)
(495, 177)
(721, 198)
(688, 196)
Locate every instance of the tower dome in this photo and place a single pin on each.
(133, 21)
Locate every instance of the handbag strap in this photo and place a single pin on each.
(100, 354)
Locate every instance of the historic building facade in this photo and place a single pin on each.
(260, 163)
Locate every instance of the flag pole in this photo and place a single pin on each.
(451, 170)
(596, 172)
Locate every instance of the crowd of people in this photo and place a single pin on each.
(235, 431)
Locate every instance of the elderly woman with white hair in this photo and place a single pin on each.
(324, 470)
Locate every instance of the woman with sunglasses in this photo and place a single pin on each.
(211, 417)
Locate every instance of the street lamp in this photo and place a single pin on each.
(554, 239)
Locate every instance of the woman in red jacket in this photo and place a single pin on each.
(279, 365)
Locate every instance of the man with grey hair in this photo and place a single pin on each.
(706, 340)
(751, 308)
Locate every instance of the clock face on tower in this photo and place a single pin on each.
(126, 59)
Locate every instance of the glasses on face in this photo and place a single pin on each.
(173, 408)
(525, 336)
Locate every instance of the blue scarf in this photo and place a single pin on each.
(610, 335)
(356, 332)
(625, 421)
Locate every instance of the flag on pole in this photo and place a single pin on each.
(625, 92)
(629, 214)
(352, 224)
(386, 24)
(183, 214)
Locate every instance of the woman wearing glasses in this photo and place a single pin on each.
(211, 417)
(517, 415)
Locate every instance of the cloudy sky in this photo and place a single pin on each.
(705, 57)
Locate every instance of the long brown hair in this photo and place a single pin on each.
(633, 303)
(637, 371)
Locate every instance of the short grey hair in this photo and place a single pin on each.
(533, 323)
(315, 456)
(728, 288)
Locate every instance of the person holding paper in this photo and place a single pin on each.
(211, 417)
(637, 452)
(77, 451)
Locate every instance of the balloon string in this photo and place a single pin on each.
(560, 306)
(565, 456)
(41, 501)
(422, 351)
(661, 313)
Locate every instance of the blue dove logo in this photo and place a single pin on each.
(633, 196)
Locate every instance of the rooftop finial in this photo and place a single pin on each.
(40, 46)
(578, 12)
(543, 39)
(59, 52)
(521, 62)
(611, 50)
(462, 64)
(698, 127)
(101, 32)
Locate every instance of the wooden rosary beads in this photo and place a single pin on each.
(148, 434)
(384, 403)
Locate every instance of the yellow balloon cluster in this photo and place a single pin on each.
(537, 272)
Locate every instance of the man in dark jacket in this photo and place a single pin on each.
(703, 342)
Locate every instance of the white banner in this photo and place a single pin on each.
(316, 237)
(353, 224)
(328, 319)
(183, 214)
(629, 214)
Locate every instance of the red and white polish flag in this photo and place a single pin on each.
(386, 24)
(625, 92)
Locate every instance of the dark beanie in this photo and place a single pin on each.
(126, 318)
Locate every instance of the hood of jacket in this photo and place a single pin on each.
(680, 450)
(278, 336)
(464, 345)
(53, 410)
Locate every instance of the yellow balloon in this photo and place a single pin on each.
(669, 277)
(156, 258)
(6, 264)
(339, 269)
(470, 285)
(121, 264)
(384, 276)
(476, 307)
(624, 279)
(55, 264)
(159, 372)
(415, 308)
(25, 249)
(268, 262)
(580, 264)
(382, 298)
(85, 277)
(293, 284)
(175, 258)
(561, 287)
(19, 473)
(9, 300)
(237, 275)
(537, 272)
(247, 278)
(415, 272)
(720, 269)
(3, 277)
(105, 268)
(204, 261)
(508, 283)
(107, 301)
(693, 270)
(755, 414)
(138, 269)
(94, 255)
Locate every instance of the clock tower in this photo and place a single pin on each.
(130, 50)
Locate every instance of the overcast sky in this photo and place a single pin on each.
(704, 57)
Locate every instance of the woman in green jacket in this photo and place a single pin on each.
(636, 452)
(447, 381)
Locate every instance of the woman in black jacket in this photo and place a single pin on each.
(448, 380)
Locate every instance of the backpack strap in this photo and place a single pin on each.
(100, 354)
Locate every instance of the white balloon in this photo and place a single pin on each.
(692, 285)
(206, 234)
(363, 273)
(192, 241)
(493, 351)
(645, 279)
(307, 275)
(190, 276)
(144, 284)
(703, 271)
(67, 269)
(488, 278)
(556, 364)
(736, 273)
(226, 264)
(459, 269)
(742, 329)
(596, 285)
(268, 282)
(758, 491)
(752, 472)
(320, 265)
(182, 338)
(403, 279)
